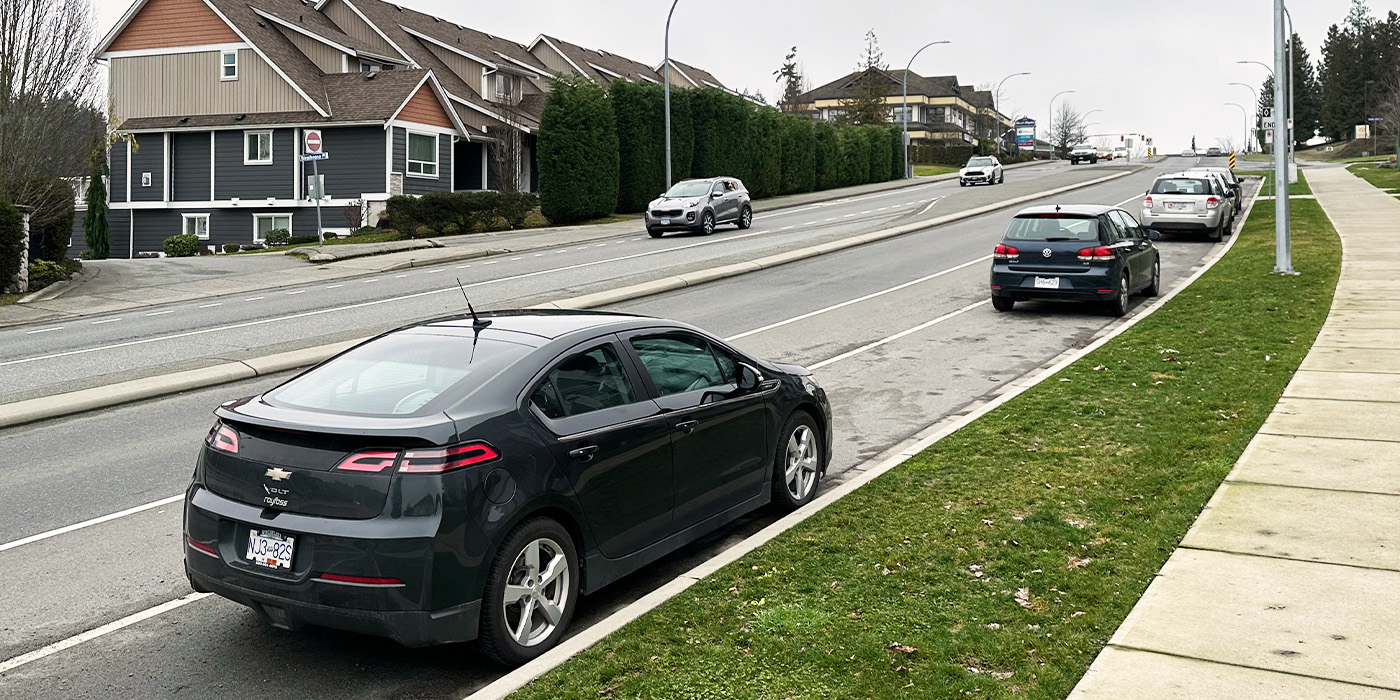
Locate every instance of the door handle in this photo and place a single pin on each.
(686, 426)
(584, 454)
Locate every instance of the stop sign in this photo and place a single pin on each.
(313, 141)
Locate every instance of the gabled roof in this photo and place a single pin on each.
(601, 66)
(508, 54)
(844, 88)
(294, 16)
(276, 49)
(703, 77)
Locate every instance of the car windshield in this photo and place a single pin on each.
(979, 162)
(1181, 185)
(1056, 227)
(399, 374)
(694, 188)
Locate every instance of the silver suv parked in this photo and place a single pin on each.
(700, 205)
(1189, 202)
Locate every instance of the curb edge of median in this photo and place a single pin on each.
(69, 403)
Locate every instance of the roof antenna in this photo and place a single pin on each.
(477, 322)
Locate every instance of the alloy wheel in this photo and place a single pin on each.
(709, 223)
(746, 219)
(536, 592)
(801, 463)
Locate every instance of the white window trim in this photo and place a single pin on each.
(262, 239)
(228, 78)
(184, 223)
(437, 153)
(246, 161)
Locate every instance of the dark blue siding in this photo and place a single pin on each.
(423, 185)
(189, 164)
(153, 226)
(118, 223)
(356, 164)
(251, 182)
(148, 156)
(117, 178)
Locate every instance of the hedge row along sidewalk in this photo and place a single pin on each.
(999, 562)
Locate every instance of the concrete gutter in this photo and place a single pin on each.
(59, 405)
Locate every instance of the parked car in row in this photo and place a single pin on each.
(700, 205)
(1088, 253)
(982, 170)
(471, 477)
(1231, 181)
(1187, 202)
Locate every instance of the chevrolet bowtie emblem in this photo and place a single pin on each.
(277, 474)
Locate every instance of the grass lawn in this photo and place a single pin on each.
(537, 220)
(7, 299)
(999, 562)
(1384, 178)
(931, 170)
(1300, 187)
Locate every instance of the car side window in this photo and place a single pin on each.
(729, 186)
(679, 363)
(1115, 228)
(589, 381)
(1129, 224)
(718, 188)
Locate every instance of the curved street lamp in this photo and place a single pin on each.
(996, 104)
(908, 169)
(1049, 133)
(668, 91)
(1246, 118)
(1254, 92)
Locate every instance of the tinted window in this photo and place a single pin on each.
(1181, 185)
(678, 364)
(1115, 228)
(1053, 228)
(1128, 223)
(589, 381)
(400, 374)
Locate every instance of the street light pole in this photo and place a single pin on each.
(996, 102)
(1247, 132)
(1370, 125)
(1276, 108)
(667, 51)
(1049, 126)
(909, 169)
(1246, 120)
(1283, 257)
(1290, 126)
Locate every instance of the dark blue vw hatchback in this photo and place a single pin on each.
(470, 478)
(1075, 253)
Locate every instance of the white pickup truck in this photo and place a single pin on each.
(1083, 151)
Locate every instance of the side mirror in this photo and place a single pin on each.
(749, 378)
(1153, 235)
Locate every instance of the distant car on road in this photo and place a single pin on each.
(1075, 253)
(1214, 152)
(1083, 152)
(985, 170)
(1189, 153)
(1120, 152)
(471, 477)
(1188, 203)
(700, 205)
(1105, 154)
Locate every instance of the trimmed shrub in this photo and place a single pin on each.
(277, 236)
(855, 157)
(364, 231)
(230, 247)
(304, 240)
(897, 153)
(682, 131)
(879, 151)
(43, 273)
(721, 123)
(577, 153)
(765, 154)
(11, 243)
(185, 245)
(799, 144)
(953, 156)
(641, 143)
(514, 207)
(400, 213)
(827, 154)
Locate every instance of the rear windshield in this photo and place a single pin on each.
(979, 162)
(399, 375)
(1181, 185)
(1053, 228)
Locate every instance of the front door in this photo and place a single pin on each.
(614, 444)
(1140, 254)
(719, 434)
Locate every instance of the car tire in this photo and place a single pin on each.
(1217, 233)
(1003, 303)
(707, 223)
(1118, 305)
(654, 233)
(1155, 286)
(798, 463)
(1001, 179)
(501, 623)
(745, 218)
(962, 183)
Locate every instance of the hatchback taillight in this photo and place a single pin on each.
(1099, 253)
(1147, 202)
(1005, 252)
(369, 461)
(1213, 203)
(222, 438)
(438, 461)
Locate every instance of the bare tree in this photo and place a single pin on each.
(1227, 144)
(354, 211)
(508, 152)
(1068, 129)
(46, 87)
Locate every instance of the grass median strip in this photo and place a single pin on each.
(1298, 188)
(1000, 561)
(1383, 178)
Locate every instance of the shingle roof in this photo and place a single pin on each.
(207, 121)
(591, 60)
(308, 19)
(284, 55)
(705, 78)
(370, 96)
(844, 87)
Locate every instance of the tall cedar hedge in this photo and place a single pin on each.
(640, 109)
(578, 153)
(765, 153)
(799, 142)
(897, 144)
(880, 155)
(828, 160)
(721, 123)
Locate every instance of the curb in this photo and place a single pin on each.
(58, 289)
(58, 405)
(862, 474)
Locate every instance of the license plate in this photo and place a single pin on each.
(665, 222)
(270, 548)
(1047, 283)
(1178, 206)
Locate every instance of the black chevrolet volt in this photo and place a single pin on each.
(470, 477)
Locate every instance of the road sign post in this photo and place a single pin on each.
(315, 152)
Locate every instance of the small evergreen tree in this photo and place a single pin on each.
(871, 86)
(790, 75)
(96, 231)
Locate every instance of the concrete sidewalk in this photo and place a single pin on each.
(1288, 586)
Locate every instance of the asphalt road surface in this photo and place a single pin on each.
(900, 333)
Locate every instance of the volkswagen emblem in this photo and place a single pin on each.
(1047, 252)
(277, 474)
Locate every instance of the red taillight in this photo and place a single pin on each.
(1004, 252)
(371, 461)
(1147, 202)
(202, 547)
(1099, 253)
(1213, 202)
(223, 439)
(445, 460)
(360, 580)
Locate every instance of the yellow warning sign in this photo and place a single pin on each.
(1232, 161)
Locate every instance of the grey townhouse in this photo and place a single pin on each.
(212, 100)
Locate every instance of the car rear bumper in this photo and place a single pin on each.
(1077, 286)
(1184, 222)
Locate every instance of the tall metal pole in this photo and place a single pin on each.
(1049, 126)
(1246, 120)
(908, 167)
(1248, 132)
(996, 102)
(1283, 260)
(320, 194)
(1290, 126)
(667, 51)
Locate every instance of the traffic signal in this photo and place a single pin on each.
(1120, 138)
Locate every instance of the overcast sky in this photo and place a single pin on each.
(1156, 68)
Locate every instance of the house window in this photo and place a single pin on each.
(228, 65)
(262, 223)
(422, 155)
(196, 224)
(370, 67)
(503, 88)
(835, 114)
(257, 148)
(897, 114)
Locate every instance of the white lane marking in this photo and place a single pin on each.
(1130, 199)
(890, 339)
(600, 245)
(399, 277)
(926, 209)
(210, 306)
(561, 250)
(376, 279)
(299, 291)
(89, 523)
(867, 211)
(810, 223)
(254, 298)
(857, 300)
(161, 313)
(108, 320)
(45, 330)
(490, 262)
(847, 216)
(334, 286)
(831, 219)
(14, 663)
(434, 272)
(786, 228)
(539, 255)
(463, 267)
(514, 259)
